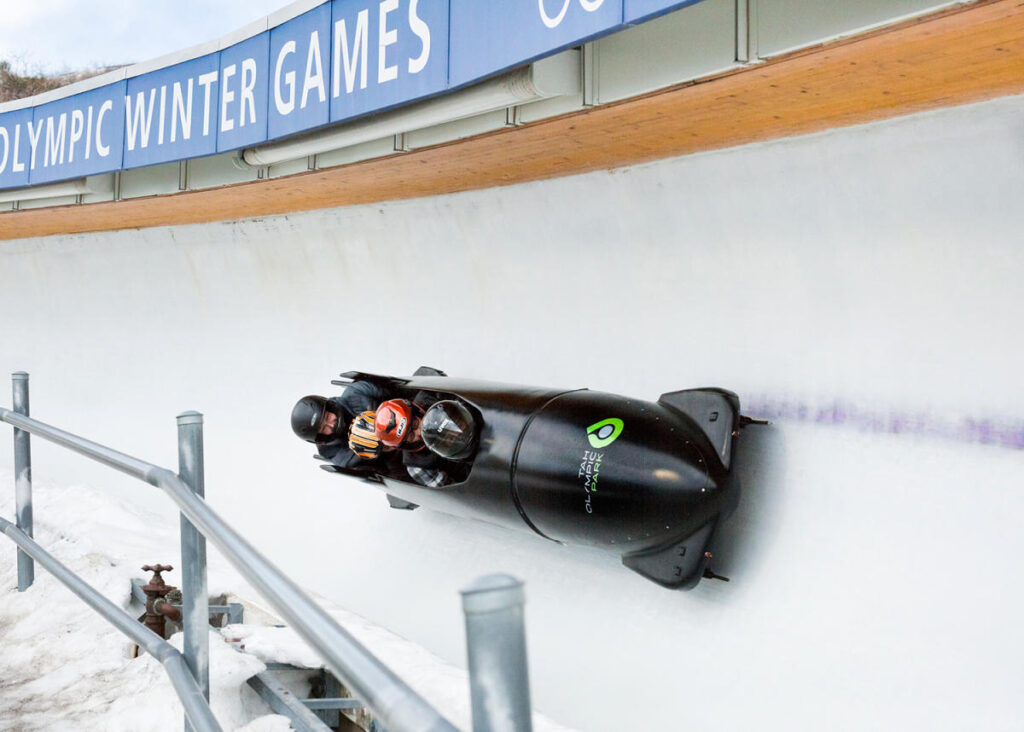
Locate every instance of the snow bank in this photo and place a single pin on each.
(63, 666)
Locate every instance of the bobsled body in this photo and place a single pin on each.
(646, 480)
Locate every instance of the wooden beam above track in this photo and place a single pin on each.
(958, 56)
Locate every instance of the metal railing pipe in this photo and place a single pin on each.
(396, 705)
(100, 453)
(195, 599)
(22, 478)
(197, 711)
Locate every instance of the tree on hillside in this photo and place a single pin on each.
(16, 86)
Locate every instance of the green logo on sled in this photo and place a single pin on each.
(605, 432)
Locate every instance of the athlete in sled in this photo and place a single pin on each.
(646, 480)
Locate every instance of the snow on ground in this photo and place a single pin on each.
(64, 667)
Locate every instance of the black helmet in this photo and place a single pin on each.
(307, 416)
(449, 430)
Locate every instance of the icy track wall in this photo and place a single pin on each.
(861, 287)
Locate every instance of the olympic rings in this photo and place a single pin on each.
(553, 22)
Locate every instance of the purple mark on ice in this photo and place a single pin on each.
(986, 431)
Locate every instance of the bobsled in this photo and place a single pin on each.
(649, 481)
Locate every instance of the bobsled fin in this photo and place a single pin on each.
(428, 371)
(679, 566)
(715, 411)
(400, 504)
(369, 477)
(351, 376)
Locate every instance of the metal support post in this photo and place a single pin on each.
(23, 479)
(496, 645)
(195, 599)
(330, 689)
(747, 31)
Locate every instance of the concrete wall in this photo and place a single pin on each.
(861, 286)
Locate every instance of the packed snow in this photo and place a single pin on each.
(64, 667)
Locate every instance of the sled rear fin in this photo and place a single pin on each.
(716, 412)
(368, 477)
(384, 381)
(400, 504)
(428, 371)
(678, 566)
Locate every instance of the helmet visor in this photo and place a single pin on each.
(332, 425)
(449, 430)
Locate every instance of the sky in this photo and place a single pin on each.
(54, 36)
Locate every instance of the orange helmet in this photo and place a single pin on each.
(396, 423)
(362, 439)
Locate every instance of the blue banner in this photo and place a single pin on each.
(78, 136)
(172, 113)
(244, 93)
(386, 53)
(14, 148)
(491, 35)
(300, 55)
(338, 61)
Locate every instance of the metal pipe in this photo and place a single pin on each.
(100, 453)
(196, 709)
(393, 702)
(22, 478)
(189, 692)
(496, 646)
(195, 599)
(172, 612)
(156, 589)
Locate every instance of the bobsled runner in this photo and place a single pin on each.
(649, 481)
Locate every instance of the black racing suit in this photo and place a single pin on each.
(422, 466)
(358, 397)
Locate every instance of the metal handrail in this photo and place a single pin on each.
(394, 703)
(196, 709)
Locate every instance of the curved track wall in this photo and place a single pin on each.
(860, 286)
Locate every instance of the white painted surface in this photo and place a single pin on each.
(874, 575)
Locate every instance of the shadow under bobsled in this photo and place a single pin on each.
(646, 480)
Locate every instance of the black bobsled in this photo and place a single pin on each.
(646, 480)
